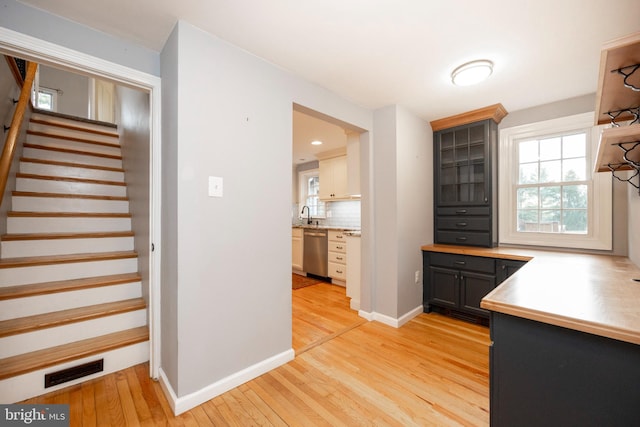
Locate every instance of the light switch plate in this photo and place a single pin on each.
(215, 186)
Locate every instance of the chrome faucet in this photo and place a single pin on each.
(308, 214)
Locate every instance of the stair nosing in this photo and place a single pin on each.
(72, 139)
(69, 151)
(27, 214)
(58, 286)
(70, 179)
(20, 262)
(56, 236)
(74, 128)
(70, 164)
(55, 319)
(40, 359)
(69, 196)
(72, 118)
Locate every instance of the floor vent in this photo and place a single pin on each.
(73, 373)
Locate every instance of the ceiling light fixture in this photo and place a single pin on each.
(316, 142)
(472, 72)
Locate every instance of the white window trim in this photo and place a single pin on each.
(54, 97)
(599, 236)
(302, 192)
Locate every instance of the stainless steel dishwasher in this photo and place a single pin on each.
(314, 260)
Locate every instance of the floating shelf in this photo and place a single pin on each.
(618, 104)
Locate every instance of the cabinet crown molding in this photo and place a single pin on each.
(494, 112)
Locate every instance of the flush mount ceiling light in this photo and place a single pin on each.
(472, 72)
(316, 142)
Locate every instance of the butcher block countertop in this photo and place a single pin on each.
(596, 294)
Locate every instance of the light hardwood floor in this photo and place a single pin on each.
(431, 371)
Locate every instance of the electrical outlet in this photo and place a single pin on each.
(417, 277)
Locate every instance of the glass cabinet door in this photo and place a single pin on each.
(462, 154)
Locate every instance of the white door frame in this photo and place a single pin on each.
(41, 51)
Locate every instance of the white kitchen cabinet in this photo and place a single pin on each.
(337, 257)
(333, 178)
(353, 271)
(297, 248)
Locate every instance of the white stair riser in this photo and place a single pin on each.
(39, 304)
(71, 122)
(37, 153)
(65, 187)
(26, 248)
(70, 172)
(37, 340)
(29, 385)
(72, 145)
(57, 130)
(17, 225)
(66, 204)
(55, 272)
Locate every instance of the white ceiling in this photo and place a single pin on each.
(381, 52)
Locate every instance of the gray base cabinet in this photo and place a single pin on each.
(546, 375)
(457, 283)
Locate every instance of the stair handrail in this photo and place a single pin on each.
(18, 116)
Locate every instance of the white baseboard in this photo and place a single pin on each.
(390, 321)
(185, 403)
(354, 304)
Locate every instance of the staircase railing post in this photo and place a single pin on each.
(12, 137)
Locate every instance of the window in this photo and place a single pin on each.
(46, 99)
(549, 195)
(309, 181)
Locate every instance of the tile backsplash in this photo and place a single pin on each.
(338, 214)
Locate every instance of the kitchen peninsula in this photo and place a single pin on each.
(566, 338)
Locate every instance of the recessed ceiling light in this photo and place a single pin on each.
(316, 142)
(472, 72)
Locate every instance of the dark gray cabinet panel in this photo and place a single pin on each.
(545, 375)
(464, 187)
(457, 282)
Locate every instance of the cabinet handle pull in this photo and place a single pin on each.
(339, 257)
(461, 211)
(338, 247)
(461, 224)
(460, 263)
(461, 239)
(339, 271)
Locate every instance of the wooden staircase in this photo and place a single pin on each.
(70, 292)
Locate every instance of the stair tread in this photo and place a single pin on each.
(24, 291)
(68, 214)
(72, 138)
(69, 151)
(51, 236)
(67, 196)
(72, 127)
(65, 259)
(69, 179)
(40, 359)
(69, 164)
(63, 317)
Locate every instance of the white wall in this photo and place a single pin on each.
(633, 223)
(227, 113)
(403, 171)
(133, 119)
(43, 25)
(74, 96)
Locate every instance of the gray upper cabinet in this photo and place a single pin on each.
(465, 161)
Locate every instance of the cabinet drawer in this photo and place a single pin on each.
(337, 257)
(338, 247)
(463, 262)
(337, 271)
(464, 211)
(464, 238)
(467, 223)
(337, 236)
